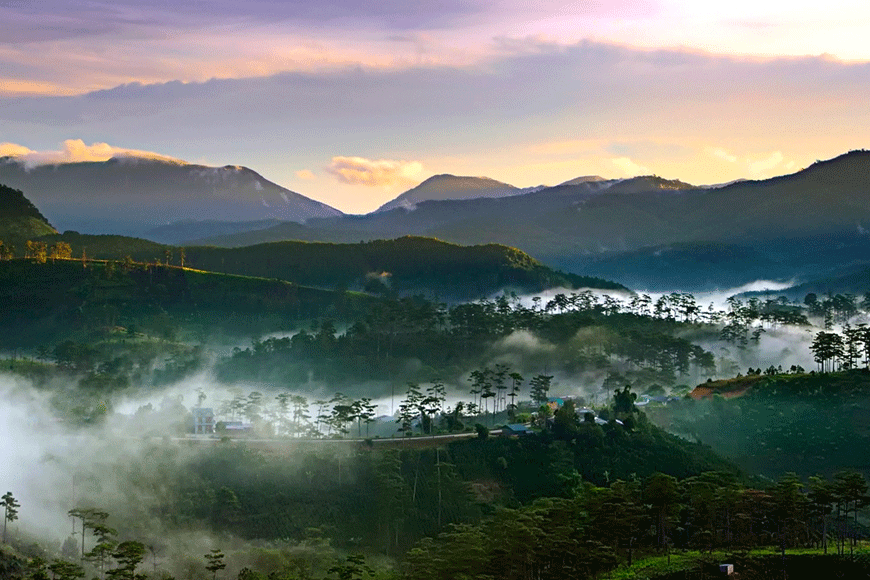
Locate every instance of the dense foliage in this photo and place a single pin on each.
(809, 423)
(47, 299)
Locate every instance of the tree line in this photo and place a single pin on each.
(589, 530)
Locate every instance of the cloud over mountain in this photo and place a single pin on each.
(76, 151)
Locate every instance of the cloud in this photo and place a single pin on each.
(373, 173)
(305, 174)
(756, 167)
(75, 151)
(63, 19)
(767, 164)
(723, 154)
(13, 150)
(629, 167)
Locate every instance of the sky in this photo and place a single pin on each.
(351, 102)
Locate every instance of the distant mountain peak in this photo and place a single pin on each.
(130, 195)
(446, 186)
(584, 179)
(462, 181)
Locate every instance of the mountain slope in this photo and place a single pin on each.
(131, 195)
(45, 303)
(409, 265)
(406, 265)
(19, 218)
(441, 187)
(586, 179)
(518, 215)
(853, 280)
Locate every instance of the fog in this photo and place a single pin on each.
(718, 297)
(52, 466)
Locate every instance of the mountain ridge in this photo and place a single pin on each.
(132, 195)
(446, 186)
(570, 227)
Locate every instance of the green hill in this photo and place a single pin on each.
(807, 423)
(406, 265)
(409, 265)
(44, 303)
(19, 219)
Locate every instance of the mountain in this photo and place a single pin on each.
(19, 219)
(588, 179)
(701, 266)
(805, 225)
(441, 187)
(645, 184)
(491, 219)
(132, 195)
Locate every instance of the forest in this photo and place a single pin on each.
(585, 432)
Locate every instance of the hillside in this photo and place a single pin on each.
(51, 301)
(19, 218)
(132, 195)
(700, 265)
(406, 265)
(808, 423)
(441, 187)
(403, 266)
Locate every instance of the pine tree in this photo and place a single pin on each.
(10, 510)
(215, 562)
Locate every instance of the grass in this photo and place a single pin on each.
(655, 566)
(658, 565)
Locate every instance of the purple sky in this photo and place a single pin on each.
(352, 102)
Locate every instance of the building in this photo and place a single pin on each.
(555, 403)
(203, 421)
(515, 430)
(238, 428)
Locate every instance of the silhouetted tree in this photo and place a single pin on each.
(10, 510)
